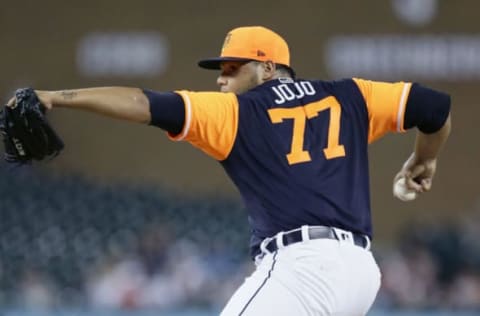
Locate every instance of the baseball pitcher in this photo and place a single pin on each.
(297, 152)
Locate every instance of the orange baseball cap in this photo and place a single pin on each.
(251, 43)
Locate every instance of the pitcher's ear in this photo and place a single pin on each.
(269, 67)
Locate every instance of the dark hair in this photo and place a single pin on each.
(285, 70)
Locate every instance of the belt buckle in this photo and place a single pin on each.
(343, 235)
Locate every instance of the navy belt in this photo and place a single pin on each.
(314, 232)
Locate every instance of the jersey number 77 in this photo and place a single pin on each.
(299, 115)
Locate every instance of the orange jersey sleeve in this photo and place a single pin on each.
(385, 104)
(211, 122)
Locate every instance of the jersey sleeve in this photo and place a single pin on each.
(385, 104)
(211, 122)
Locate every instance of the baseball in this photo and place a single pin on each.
(401, 192)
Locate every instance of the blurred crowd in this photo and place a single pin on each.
(65, 241)
(433, 265)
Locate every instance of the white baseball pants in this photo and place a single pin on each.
(315, 277)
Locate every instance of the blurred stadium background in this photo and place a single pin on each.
(125, 222)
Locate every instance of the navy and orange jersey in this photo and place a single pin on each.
(297, 149)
